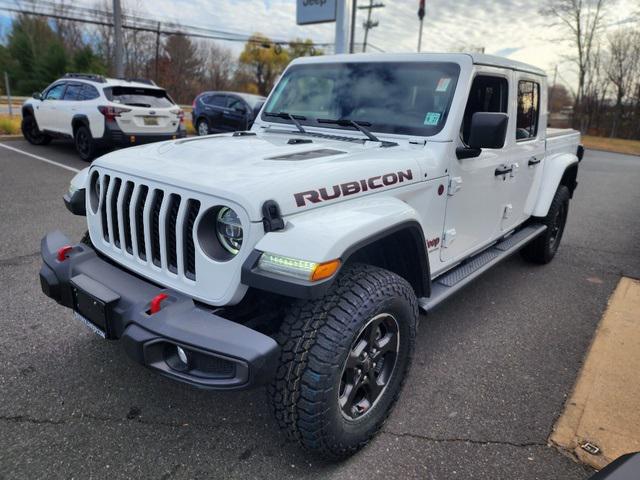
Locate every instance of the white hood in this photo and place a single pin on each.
(251, 169)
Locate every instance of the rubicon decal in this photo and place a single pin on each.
(351, 188)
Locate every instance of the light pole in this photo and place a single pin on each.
(421, 17)
(117, 32)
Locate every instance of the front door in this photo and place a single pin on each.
(477, 191)
(237, 114)
(48, 109)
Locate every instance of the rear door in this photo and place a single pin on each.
(148, 110)
(476, 194)
(527, 149)
(71, 101)
(214, 108)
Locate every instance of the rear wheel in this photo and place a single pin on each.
(343, 360)
(32, 133)
(543, 249)
(85, 144)
(202, 126)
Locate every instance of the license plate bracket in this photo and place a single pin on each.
(94, 302)
(150, 121)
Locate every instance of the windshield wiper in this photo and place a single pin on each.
(358, 125)
(287, 116)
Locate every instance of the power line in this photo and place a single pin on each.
(131, 22)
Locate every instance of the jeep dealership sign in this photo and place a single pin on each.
(315, 11)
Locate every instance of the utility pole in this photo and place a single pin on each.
(342, 26)
(354, 8)
(119, 44)
(157, 51)
(421, 17)
(369, 24)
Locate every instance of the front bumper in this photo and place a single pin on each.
(223, 355)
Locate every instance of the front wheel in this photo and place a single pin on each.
(32, 133)
(343, 360)
(543, 249)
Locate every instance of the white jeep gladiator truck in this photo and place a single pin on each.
(300, 253)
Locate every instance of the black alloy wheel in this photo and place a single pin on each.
(369, 366)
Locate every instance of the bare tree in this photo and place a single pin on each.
(219, 66)
(623, 70)
(582, 19)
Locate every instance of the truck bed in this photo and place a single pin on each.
(561, 140)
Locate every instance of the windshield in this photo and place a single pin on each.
(410, 98)
(140, 97)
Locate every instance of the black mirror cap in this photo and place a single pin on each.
(488, 130)
(37, 95)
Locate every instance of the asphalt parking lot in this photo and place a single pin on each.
(492, 370)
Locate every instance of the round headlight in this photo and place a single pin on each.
(229, 230)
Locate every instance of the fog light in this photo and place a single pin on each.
(182, 355)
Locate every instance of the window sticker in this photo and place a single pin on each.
(443, 84)
(432, 118)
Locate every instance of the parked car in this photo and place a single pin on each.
(299, 254)
(98, 113)
(217, 112)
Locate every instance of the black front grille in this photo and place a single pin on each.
(142, 200)
(126, 215)
(145, 223)
(155, 227)
(193, 207)
(172, 218)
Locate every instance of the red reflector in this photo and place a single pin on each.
(63, 251)
(155, 303)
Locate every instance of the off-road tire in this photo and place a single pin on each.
(315, 338)
(543, 248)
(202, 122)
(86, 239)
(85, 144)
(32, 133)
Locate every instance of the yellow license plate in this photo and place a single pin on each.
(150, 121)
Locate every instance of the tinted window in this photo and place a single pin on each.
(89, 92)
(236, 103)
(55, 92)
(394, 97)
(487, 94)
(215, 100)
(139, 97)
(73, 92)
(528, 107)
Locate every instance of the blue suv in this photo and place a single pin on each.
(217, 112)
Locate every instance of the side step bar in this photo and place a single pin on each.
(453, 280)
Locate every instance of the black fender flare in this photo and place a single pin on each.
(27, 110)
(79, 119)
(292, 287)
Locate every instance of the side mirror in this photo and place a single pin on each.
(488, 130)
(37, 95)
(240, 109)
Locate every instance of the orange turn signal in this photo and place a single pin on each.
(325, 270)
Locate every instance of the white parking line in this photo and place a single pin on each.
(38, 157)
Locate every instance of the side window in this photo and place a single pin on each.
(234, 103)
(89, 93)
(528, 110)
(488, 94)
(73, 92)
(216, 100)
(55, 92)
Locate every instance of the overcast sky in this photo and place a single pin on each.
(511, 28)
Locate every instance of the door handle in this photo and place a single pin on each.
(534, 161)
(503, 170)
